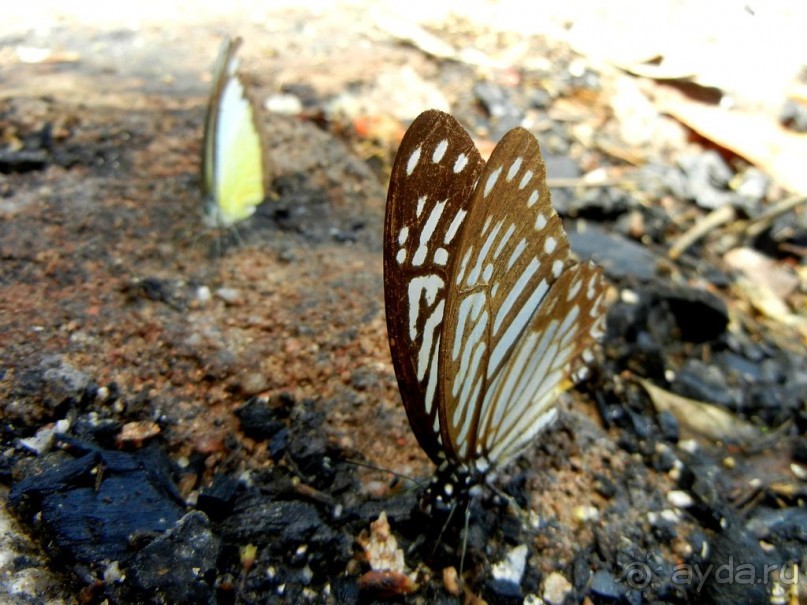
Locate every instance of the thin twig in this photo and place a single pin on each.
(711, 221)
(757, 225)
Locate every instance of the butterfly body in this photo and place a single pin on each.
(234, 174)
(486, 311)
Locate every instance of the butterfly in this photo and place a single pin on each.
(487, 314)
(234, 171)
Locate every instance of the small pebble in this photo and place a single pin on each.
(679, 499)
(284, 104)
(585, 513)
(231, 296)
(451, 581)
(556, 587)
(511, 569)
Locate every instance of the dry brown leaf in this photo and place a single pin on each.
(757, 137)
(702, 419)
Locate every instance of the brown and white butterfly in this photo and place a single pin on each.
(486, 311)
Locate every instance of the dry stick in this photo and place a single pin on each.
(570, 182)
(757, 225)
(711, 221)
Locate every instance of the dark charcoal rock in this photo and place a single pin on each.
(503, 591)
(733, 546)
(304, 207)
(700, 315)
(283, 525)
(670, 430)
(702, 382)
(742, 369)
(774, 525)
(218, 499)
(179, 566)
(21, 161)
(605, 585)
(785, 528)
(279, 444)
(89, 516)
(345, 589)
(800, 450)
(707, 182)
(261, 419)
(619, 257)
(58, 474)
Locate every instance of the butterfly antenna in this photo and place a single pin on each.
(465, 538)
(384, 470)
(523, 514)
(445, 526)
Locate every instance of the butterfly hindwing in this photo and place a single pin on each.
(432, 180)
(511, 252)
(519, 402)
(234, 173)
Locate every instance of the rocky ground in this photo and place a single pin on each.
(193, 416)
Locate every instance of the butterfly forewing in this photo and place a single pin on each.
(432, 180)
(511, 251)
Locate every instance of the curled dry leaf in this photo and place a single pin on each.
(702, 419)
(387, 576)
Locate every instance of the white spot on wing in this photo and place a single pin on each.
(426, 352)
(403, 234)
(515, 291)
(516, 253)
(494, 176)
(440, 151)
(425, 235)
(504, 240)
(423, 286)
(483, 253)
(413, 161)
(540, 222)
(525, 179)
(557, 268)
(464, 265)
(441, 256)
(533, 198)
(421, 205)
(462, 162)
(401, 256)
(431, 385)
(549, 245)
(454, 226)
(487, 273)
(514, 168)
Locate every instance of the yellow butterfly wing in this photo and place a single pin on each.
(234, 174)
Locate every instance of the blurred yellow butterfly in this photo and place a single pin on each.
(234, 174)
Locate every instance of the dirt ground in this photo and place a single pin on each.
(108, 271)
